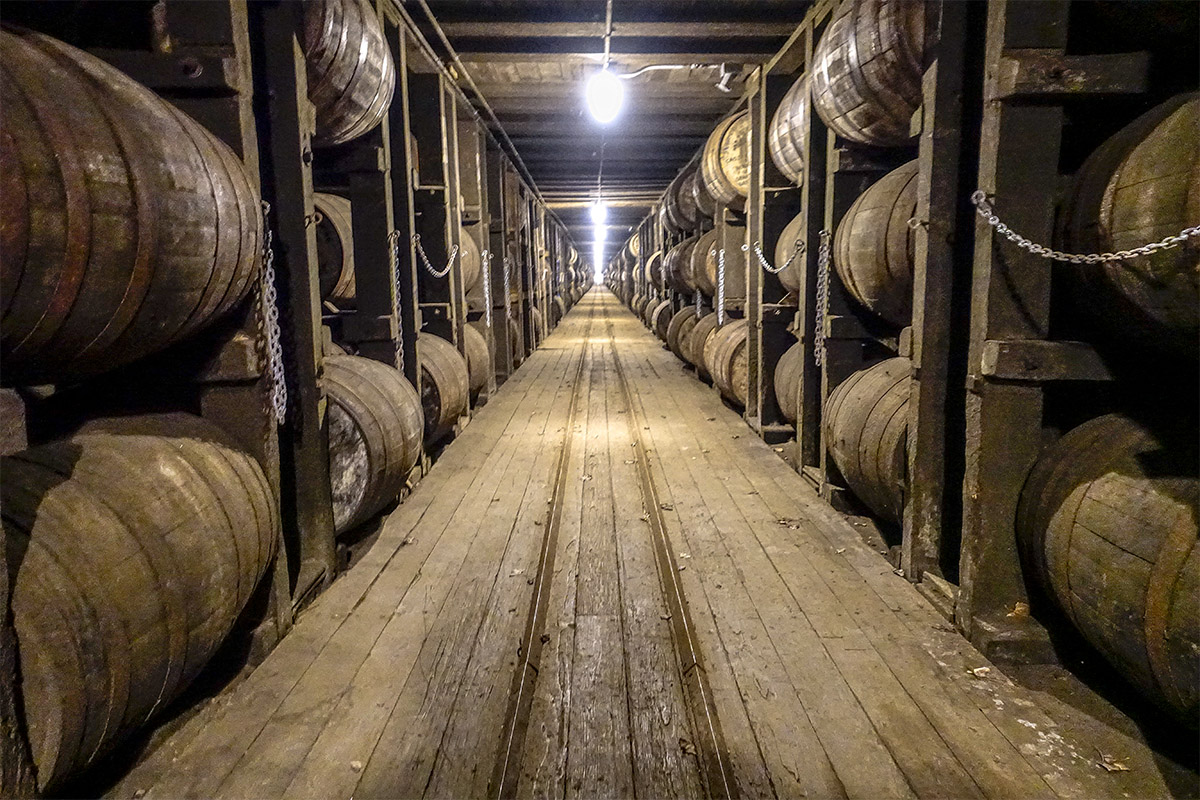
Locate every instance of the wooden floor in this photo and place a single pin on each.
(609, 587)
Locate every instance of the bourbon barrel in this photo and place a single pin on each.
(660, 319)
(685, 193)
(791, 276)
(677, 266)
(874, 247)
(867, 70)
(697, 340)
(375, 430)
(335, 249)
(789, 127)
(788, 370)
(127, 226)
(706, 205)
(445, 385)
(680, 326)
(654, 270)
(1108, 527)
(735, 266)
(698, 264)
(866, 433)
(1140, 186)
(479, 360)
(133, 546)
(470, 260)
(725, 358)
(725, 161)
(351, 75)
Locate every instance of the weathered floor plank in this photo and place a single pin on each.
(830, 676)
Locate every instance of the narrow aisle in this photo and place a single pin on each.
(609, 587)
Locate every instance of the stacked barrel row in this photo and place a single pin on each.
(1139, 186)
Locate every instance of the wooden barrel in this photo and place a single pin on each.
(1108, 527)
(866, 433)
(677, 266)
(479, 360)
(445, 385)
(351, 75)
(792, 277)
(788, 370)
(375, 430)
(725, 161)
(698, 264)
(694, 352)
(706, 205)
(1141, 185)
(685, 193)
(874, 247)
(867, 69)
(725, 358)
(652, 303)
(335, 249)
(680, 326)
(665, 220)
(470, 260)
(660, 320)
(133, 547)
(638, 306)
(788, 131)
(735, 266)
(127, 226)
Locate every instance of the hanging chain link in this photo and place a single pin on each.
(416, 237)
(720, 287)
(268, 315)
(979, 199)
(698, 302)
(766, 265)
(822, 299)
(507, 290)
(394, 240)
(486, 255)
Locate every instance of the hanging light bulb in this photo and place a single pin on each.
(605, 95)
(598, 212)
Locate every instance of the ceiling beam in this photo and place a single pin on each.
(687, 30)
(755, 49)
(632, 59)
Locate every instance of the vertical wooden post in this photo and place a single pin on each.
(753, 233)
(404, 180)
(1018, 169)
(285, 125)
(947, 155)
(498, 244)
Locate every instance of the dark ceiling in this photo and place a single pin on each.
(530, 59)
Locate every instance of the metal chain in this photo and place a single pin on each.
(720, 287)
(979, 199)
(822, 299)
(698, 302)
(416, 237)
(394, 239)
(766, 265)
(486, 255)
(268, 304)
(507, 290)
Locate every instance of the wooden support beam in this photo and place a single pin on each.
(1036, 73)
(1039, 361)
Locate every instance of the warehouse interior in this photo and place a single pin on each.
(600, 398)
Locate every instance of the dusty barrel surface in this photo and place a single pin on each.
(789, 126)
(725, 161)
(335, 249)
(697, 340)
(681, 325)
(127, 226)
(445, 385)
(726, 360)
(1140, 186)
(1108, 527)
(866, 430)
(677, 266)
(792, 275)
(479, 360)
(867, 68)
(874, 247)
(351, 75)
(375, 429)
(706, 205)
(660, 319)
(654, 270)
(133, 546)
(787, 380)
(470, 259)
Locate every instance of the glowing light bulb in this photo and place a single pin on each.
(605, 95)
(599, 213)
